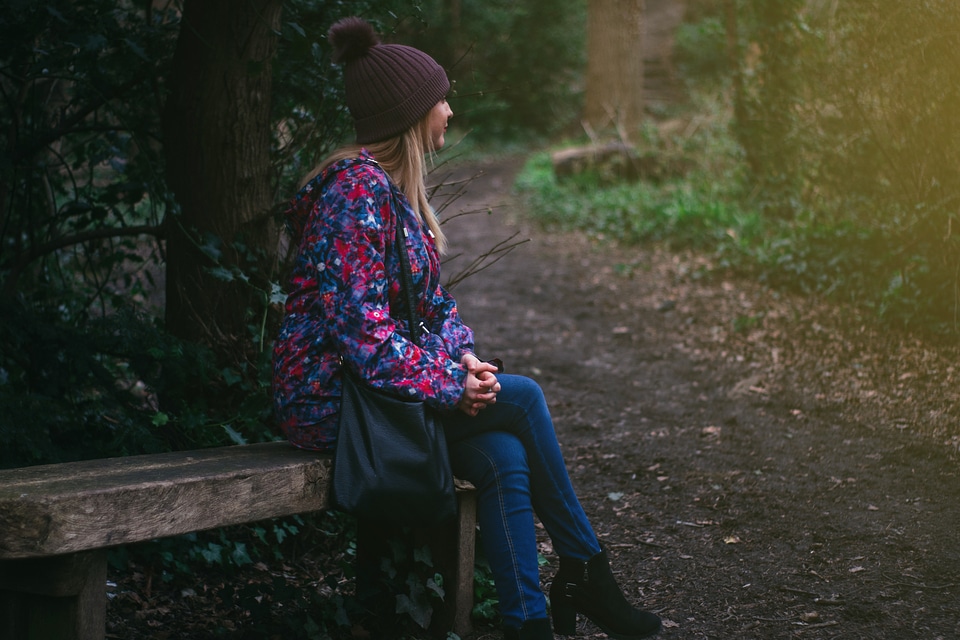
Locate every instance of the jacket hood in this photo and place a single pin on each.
(298, 208)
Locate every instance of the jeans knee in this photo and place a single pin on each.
(492, 459)
(522, 387)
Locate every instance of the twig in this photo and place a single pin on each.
(451, 190)
(920, 585)
(814, 573)
(800, 591)
(820, 625)
(485, 260)
(487, 210)
(652, 544)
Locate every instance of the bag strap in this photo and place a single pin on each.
(406, 279)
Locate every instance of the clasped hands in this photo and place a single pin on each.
(481, 386)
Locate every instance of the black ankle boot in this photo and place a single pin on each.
(531, 630)
(589, 588)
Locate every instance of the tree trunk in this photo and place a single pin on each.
(614, 91)
(216, 130)
(732, 24)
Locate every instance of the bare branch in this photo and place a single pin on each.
(486, 259)
(17, 265)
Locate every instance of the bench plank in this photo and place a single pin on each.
(64, 508)
(57, 520)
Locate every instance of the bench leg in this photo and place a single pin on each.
(55, 598)
(462, 602)
(452, 547)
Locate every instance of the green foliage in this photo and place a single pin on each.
(82, 175)
(266, 599)
(116, 385)
(325, 598)
(265, 604)
(831, 165)
(873, 145)
(682, 214)
(700, 49)
(485, 598)
(515, 66)
(774, 61)
(87, 369)
(308, 100)
(697, 208)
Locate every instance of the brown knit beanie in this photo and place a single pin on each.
(390, 87)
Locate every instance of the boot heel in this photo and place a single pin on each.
(564, 617)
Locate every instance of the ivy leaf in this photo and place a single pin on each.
(277, 295)
(235, 435)
(240, 556)
(296, 27)
(221, 273)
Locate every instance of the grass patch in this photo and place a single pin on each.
(711, 209)
(681, 213)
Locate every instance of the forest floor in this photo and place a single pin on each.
(758, 464)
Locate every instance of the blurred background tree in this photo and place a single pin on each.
(613, 99)
(848, 124)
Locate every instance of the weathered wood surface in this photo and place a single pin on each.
(65, 508)
(461, 605)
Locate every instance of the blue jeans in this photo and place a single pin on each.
(510, 453)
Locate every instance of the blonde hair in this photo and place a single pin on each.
(403, 157)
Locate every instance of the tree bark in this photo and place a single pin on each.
(216, 129)
(614, 88)
(732, 24)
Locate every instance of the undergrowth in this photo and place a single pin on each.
(295, 577)
(713, 208)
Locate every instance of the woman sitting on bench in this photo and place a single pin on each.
(498, 427)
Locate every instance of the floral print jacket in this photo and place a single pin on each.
(345, 300)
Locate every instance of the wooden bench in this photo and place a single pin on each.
(57, 521)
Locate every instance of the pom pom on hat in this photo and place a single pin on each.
(389, 87)
(351, 39)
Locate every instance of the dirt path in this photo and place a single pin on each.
(771, 482)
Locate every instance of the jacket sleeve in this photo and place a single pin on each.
(446, 322)
(357, 289)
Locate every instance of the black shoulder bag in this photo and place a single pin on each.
(391, 461)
